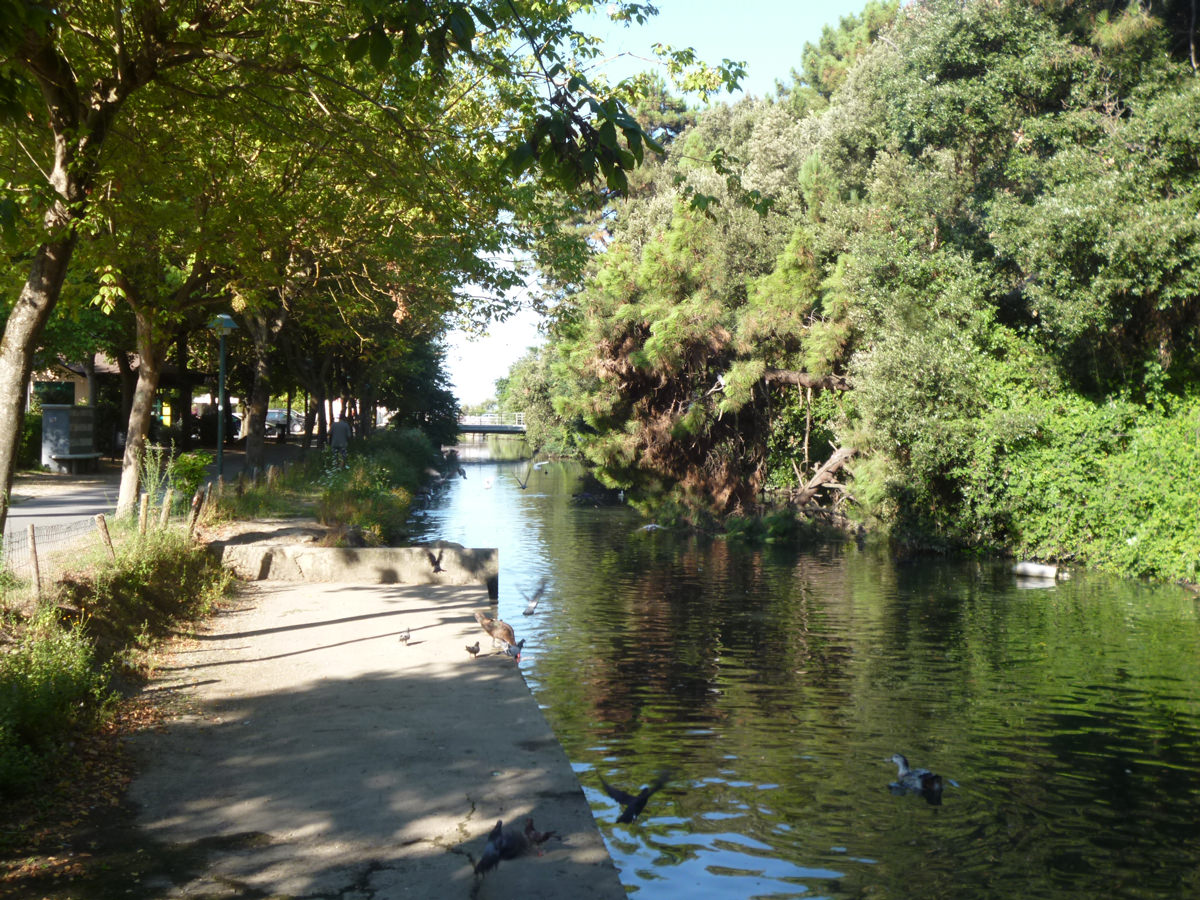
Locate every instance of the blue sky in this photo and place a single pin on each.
(767, 35)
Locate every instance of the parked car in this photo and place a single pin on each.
(278, 418)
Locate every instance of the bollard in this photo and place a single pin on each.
(143, 513)
(168, 499)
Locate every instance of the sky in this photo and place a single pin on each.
(767, 35)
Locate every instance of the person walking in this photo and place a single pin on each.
(340, 433)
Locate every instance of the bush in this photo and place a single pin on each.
(364, 496)
(1114, 485)
(188, 471)
(48, 688)
(29, 451)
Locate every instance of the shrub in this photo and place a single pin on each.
(187, 472)
(363, 495)
(48, 687)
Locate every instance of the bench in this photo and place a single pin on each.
(78, 463)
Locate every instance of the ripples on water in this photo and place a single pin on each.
(776, 683)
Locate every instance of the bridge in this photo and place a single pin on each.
(493, 423)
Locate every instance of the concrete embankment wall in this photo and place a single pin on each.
(436, 564)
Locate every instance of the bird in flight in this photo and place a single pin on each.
(532, 602)
(633, 806)
(436, 561)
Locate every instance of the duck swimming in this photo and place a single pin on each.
(920, 781)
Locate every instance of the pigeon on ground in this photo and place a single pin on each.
(509, 843)
(474, 651)
(405, 635)
(634, 805)
(514, 650)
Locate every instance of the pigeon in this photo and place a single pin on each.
(474, 651)
(405, 635)
(498, 631)
(491, 850)
(436, 561)
(524, 484)
(537, 838)
(514, 650)
(509, 843)
(532, 602)
(634, 805)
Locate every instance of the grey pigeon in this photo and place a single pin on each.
(633, 806)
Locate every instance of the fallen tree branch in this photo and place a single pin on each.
(804, 379)
(824, 474)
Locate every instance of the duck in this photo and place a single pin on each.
(920, 780)
(497, 630)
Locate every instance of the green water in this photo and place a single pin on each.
(776, 683)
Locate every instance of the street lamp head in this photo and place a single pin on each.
(222, 322)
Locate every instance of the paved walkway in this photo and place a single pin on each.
(321, 757)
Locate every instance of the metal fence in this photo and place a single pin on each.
(41, 554)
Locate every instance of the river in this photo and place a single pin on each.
(771, 686)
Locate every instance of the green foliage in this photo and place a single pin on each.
(49, 687)
(29, 451)
(363, 497)
(188, 471)
(54, 677)
(1113, 485)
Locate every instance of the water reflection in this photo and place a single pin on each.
(777, 684)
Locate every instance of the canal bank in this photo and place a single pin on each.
(316, 753)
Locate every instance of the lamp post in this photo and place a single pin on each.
(222, 324)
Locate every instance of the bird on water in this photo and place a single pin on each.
(918, 781)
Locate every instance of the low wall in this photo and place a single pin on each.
(448, 564)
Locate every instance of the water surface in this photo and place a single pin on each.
(775, 684)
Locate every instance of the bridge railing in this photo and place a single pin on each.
(510, 418)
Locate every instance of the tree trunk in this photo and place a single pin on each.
(21, 334)
(183, 394)
(262, 328)
(256, 412)
(153, 350)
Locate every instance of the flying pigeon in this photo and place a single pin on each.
(634, 805)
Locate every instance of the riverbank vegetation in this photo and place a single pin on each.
(945, 283)
(66, 653)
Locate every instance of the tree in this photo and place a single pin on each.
(75, 69)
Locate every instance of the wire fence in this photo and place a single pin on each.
(41, 554)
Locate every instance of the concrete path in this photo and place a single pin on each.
(317, 756)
